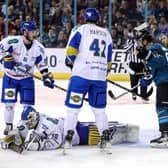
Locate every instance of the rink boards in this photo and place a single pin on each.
(56, 62)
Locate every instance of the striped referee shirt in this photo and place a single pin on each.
(130, 46)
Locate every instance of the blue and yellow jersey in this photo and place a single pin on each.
(91, 46)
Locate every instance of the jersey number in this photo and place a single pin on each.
(98, 47)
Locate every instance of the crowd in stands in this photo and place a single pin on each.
(58, 18)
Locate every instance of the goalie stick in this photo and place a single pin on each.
(39, 78)
(110, 93)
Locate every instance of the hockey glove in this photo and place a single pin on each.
(8, 62)
(69, 61)
(144, 54)
(146, 80)
(48, 80)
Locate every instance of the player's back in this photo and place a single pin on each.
(93, 52)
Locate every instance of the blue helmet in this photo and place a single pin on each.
(31, 117)
(26, 111)
(28, 25)
(91, 14)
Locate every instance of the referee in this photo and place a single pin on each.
(136, 65)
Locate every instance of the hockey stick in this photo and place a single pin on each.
(121, 95)
(130, 90)
(28, 143)
(39, 78)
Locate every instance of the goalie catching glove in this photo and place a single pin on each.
(48, 80)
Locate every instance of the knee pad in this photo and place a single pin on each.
(98, 111)
(9, 107)
(73, 111)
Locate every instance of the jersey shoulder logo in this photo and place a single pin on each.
(13, 41)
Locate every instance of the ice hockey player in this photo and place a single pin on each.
(37, 131)
(89, 54)
(21, 52)
(156, 56)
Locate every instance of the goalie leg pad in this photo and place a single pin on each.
(125, 133)
(94, 136)
(132, 133)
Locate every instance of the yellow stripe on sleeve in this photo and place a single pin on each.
(71, 51)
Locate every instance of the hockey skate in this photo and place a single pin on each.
(161, 142)
(9, 127)
(145, 100)
(68, 141)
(104, 144)
(134, 96)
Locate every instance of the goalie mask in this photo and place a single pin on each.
(31, 117)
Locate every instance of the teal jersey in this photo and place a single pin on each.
(159, 63)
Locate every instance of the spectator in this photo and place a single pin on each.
(56, 17)
(50, 38)
(2, 25)
(163, 22)
(80, 17)
(66, 16)
(114, 37)
(125, 13)
(61, 40)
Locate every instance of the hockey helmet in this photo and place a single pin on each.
(28, 25)
(31, 117)
(91, 14)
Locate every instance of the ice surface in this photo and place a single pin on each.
(124, 110)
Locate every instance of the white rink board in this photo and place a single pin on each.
(56, 61)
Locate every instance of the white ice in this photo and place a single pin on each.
(124, 110)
